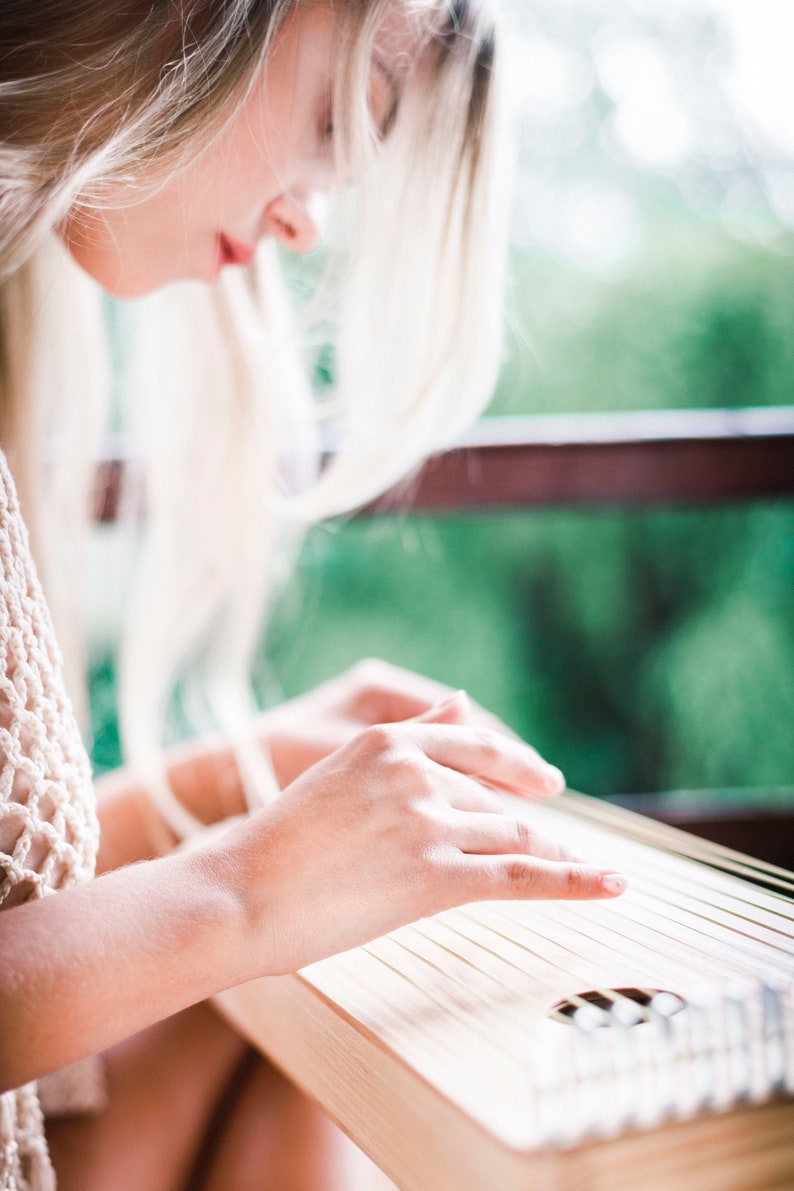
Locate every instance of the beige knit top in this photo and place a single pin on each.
(49, 832)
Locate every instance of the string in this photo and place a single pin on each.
(499, 1006)
(658, 897)
(691, 874)
(698, 925)
(677, 842)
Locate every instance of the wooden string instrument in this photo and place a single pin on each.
(642, 1044)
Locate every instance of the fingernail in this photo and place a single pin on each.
(553, 779)
(613, 883)
(455, 697)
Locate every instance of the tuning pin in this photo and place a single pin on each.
(625, 1012)
(701, 1089)
(666, 1005)
(774, 1037)
(590, 1017)
(738, 1040)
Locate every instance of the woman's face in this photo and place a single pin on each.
(269, 174)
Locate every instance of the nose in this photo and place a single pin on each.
(297, 220)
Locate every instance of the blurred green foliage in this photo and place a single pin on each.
(639, 650)
(693, 320)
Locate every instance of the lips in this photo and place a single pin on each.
(234, 253)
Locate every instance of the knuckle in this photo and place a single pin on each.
(438, 859)
(380, 739)
(462, 884)
(487, 742)
(520, 875)
(577, 883)
(421, 773)
(424, 824)
(524, 837)
(387, 746)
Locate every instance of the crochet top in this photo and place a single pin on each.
(49, 832)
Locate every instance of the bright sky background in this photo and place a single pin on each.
(762, 82)
(614, 97)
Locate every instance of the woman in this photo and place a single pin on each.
(160, 143)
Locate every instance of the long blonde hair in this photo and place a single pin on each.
(232, 430)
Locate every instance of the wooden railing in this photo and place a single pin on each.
(627, 459)
(673, 456)
(619, 460)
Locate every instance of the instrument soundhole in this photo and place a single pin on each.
(602, 1007)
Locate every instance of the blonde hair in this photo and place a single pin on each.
(232, 429)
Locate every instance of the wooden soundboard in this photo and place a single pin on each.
(642, 1044)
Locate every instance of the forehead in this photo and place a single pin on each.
(318, 35)
(391, 50)
(319, 43)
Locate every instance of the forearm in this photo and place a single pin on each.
(204, 777)
(89, 966)
(397, 825)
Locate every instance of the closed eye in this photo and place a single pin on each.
(386, 103)
(326, 122)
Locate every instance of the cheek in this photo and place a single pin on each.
(238, 181)
(131, 250)
(134, 246)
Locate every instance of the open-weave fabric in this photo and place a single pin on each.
(48, 826)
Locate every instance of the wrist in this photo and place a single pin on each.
(227, 860)
(217, 870)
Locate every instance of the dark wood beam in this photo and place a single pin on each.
(670, 457)
(634, 459)
(757, 822)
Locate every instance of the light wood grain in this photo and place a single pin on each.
(432, 1047)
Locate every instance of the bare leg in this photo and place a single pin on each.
(165, 1088)
(164, 1085)
(277, 1140)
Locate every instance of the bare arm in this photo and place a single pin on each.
(98, 962)
(396, 825)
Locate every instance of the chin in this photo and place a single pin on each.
(139, 285)
(127, 287)
(111, 271)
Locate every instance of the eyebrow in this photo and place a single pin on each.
(386, 125)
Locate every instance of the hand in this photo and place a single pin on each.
(398, 824)
(304, 730)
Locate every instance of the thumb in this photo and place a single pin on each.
(454, 709)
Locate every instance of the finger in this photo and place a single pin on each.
(526, 877)
(389, 694)
(459, 708)
(454, 709)
(501, 835)
(467, 794)
(488, 755)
